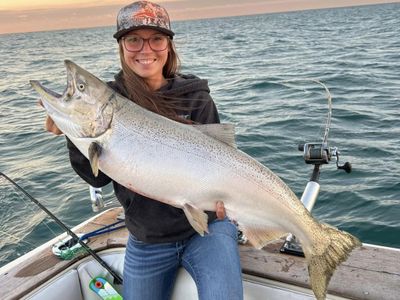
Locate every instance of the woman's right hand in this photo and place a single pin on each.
(52, 127)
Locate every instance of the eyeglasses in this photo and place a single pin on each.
(135, 43)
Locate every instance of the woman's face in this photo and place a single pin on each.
(146, 62)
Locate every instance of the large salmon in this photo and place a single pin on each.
(190, 167)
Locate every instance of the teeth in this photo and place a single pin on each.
(146, 61)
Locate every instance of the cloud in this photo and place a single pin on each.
(51, 19)
(87, 15)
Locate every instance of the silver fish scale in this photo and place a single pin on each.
(195, 146)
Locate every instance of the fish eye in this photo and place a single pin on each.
(81, 86)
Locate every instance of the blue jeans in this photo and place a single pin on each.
(213, 262)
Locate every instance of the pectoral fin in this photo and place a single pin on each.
(94, 154)
(197, 218)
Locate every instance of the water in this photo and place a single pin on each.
(354, 51)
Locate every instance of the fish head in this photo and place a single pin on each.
(85, 108)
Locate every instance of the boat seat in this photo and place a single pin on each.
(74, 284)
(91, 269)
(185, 288)
(66, 287)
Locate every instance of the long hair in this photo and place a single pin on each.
(138, 91)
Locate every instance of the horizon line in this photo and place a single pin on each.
(183, 19)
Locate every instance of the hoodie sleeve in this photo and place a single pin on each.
(81, 166)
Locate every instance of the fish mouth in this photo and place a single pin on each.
(45, 93)
(51, 99)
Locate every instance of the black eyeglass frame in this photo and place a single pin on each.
(148, 41)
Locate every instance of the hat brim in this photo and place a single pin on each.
(122, 32)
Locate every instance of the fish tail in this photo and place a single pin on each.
(329, 250)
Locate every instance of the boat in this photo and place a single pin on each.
(371, 272)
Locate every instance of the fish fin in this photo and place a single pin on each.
(222, 132)
(197, 218)
(259, 237)
(94, 152)
(330, 249)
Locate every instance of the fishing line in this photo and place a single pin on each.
(117, 278)
(17, 239)
(29, 207)
(329, 98)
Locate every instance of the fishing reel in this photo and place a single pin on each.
(316, 154)
(321, 153)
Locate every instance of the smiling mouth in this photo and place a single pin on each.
(146, 61)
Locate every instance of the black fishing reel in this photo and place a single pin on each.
(316, 154)
(321, 153)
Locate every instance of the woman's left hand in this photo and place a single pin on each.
(220, 211)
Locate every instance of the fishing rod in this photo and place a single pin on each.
(329, 99)
(117, 278)
(316, 154)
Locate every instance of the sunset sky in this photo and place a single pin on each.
(40, 15)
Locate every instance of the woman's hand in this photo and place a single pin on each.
(52, 127)
(49, 125)
(220, 211)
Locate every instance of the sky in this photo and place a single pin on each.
(42, 15)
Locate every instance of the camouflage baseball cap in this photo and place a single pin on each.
(142, 14)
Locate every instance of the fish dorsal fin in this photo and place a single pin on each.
(222, 132)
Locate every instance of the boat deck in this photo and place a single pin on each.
(371, 272)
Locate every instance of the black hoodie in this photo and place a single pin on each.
(148, 220)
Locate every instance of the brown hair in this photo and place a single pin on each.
(138, 91)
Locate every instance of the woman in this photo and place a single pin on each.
(161, 239)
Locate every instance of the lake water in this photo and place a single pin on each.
(354, 51)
